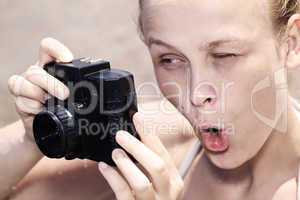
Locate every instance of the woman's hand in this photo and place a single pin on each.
(30, 89)
(161, 179)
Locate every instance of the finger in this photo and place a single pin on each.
(28, 106)
(154, 165)
(19, 86)
(116, 182)
(41, 78)
(137, 180)
(151, 140)
(51, 49)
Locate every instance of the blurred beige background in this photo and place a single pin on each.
(98, 28)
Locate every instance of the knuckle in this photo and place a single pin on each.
(32, 72)
(40, 95)
(121, 189)
(142, 186)
(15, 84)
(28, 106)
(46, 41)
(33, 68)
(28, 72)
(160, 167)
(11, 82)
(19, 102)
(18, 109)
(18, 105)
(36, 105)
(27, 75)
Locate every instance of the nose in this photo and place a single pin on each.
(204, 95)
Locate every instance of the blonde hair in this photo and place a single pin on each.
(281, 11)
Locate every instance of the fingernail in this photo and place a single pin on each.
(138, 115)
(63, 92)
(118, 153)
(122, 136)
(102, 166)
(138, 121)
(66, 57)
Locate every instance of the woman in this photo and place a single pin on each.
(227, 77)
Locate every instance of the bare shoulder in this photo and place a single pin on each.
(80, 179)
(288, 190)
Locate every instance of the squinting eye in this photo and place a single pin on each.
(171, 62)
(224, 55)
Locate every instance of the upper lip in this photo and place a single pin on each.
(205, 127)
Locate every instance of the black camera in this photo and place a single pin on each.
(101, 102)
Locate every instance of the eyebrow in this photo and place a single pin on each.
(210, 45)
(234, 41)
(153, 41)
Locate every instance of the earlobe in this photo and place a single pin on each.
(293, 32)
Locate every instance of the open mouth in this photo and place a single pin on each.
(212, 130)
(214, 138)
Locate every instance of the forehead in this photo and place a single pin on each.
(206, 16)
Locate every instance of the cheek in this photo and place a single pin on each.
(252, 86)
(251, 95)
(173, 84)
(264, 97)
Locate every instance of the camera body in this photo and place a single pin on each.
(101, 102)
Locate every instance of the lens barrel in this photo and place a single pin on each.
(54, 132)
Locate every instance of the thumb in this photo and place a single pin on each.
(53, 50)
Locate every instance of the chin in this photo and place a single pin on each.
(225, 160)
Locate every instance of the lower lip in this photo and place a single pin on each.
(217, 143)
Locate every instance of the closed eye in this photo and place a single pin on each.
(224, 55)
(225, 59)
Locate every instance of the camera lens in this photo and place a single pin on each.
(54, 132)
(49, 134)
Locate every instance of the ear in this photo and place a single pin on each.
(293, 33)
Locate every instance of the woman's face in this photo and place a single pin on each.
(209, 56)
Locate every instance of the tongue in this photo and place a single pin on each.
(215, 142)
